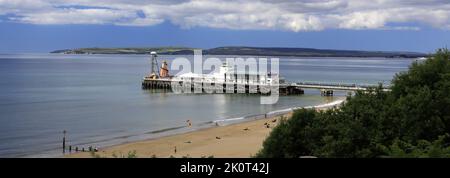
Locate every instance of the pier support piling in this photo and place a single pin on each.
(326, 92)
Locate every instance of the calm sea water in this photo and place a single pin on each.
(99, 101)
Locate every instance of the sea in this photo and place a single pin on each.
(99, 102)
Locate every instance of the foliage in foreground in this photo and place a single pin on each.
(412, 120)
(130, 154)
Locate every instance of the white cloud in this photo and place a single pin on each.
(288, 15)
(78, 16)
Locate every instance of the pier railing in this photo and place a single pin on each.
(338, 85)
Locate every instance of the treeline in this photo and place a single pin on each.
(243, 50)
(412, 120)
(307, 52)
(159, 50)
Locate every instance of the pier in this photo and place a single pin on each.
(228, 82)
(217, 87)
(326, 89)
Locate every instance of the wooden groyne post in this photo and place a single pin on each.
(64, 142)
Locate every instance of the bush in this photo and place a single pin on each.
(423, 149)
(286, 140)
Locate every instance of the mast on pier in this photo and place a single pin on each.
(154, 70)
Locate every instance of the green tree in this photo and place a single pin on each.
(422, 99)
(412, 120)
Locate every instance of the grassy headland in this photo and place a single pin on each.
(253, 51)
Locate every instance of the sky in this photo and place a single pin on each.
(28, 26)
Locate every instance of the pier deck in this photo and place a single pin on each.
(212, 87)
(283, 89)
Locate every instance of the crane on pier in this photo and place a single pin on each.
(154, 70)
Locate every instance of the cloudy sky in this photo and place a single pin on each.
(44, 25)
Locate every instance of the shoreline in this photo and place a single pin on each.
(242, 139)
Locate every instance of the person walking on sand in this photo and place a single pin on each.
(175, 150)
(189, 123)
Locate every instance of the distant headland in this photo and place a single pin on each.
(243, 50)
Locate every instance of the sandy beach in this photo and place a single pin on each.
(240, 140)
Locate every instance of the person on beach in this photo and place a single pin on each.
(189, 123)
(175, 150)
